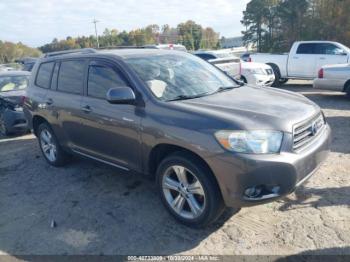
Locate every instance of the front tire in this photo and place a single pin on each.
(277, 74)
(50, 147)
(3, 129)
(347, 90)
(189, 190)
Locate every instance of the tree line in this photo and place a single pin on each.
(9, 52)
(273, 25)
(189, 34)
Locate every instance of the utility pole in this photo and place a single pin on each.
(95, 22)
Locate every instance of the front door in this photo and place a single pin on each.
(302, 63)
(110, 132)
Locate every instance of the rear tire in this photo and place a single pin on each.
(283, 81)
(189, 190)
(49, 146)
(277, 74)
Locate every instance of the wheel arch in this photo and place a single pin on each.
(346, 87)
(37, 121)
(161, 151)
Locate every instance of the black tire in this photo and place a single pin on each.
(244, 79)
(347, 89)
(283, 80)
(61, 156)
(214, 204)
(277, 74)
(3, 128)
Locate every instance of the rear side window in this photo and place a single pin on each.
(306, 49)
(101, 79)
(328, 49)
(71, 76)
(43, 78)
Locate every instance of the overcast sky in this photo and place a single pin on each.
(36, 22)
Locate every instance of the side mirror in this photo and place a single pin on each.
(121, 95)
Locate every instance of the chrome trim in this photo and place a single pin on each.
(303, 134)
(100, 160)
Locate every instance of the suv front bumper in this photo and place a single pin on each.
(274, 175)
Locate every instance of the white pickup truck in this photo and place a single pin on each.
(304, 60)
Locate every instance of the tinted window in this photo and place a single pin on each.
(206, 56)
(101, 79)
(44, 75)
(328, 49)
(306, 49)
(71, 76)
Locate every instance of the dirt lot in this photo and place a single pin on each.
(99, 210)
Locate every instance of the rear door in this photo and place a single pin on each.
(64, 100)
(110, 132)
(302, 62)
(329, 54)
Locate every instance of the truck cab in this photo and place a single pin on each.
(306, 58)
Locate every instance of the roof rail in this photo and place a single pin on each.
(74, 51)
(121, 47)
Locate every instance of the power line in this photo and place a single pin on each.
(95, 22)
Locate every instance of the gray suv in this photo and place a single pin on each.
(209, 142)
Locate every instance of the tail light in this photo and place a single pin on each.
(249, 59)
(320, 73)
(22, 100)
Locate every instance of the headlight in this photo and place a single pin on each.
(257, 71)
(251, 142)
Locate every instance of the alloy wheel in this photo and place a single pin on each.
(48, 145)
(183, 192)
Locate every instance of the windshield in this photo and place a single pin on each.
(347, 49)
(13, 83)
(170, 76)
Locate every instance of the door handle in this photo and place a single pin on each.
(49, 101)
(322, 58)
(86, 109)
(295, 57)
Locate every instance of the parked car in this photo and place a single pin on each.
(304, 60)
(168, 47)
(209, 142)
(12, 94)
(334, 77)
(258, 74)
(223, 60)
(27, 63)
(246, 57)
(5, 68)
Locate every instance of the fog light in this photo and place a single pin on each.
(253, 192)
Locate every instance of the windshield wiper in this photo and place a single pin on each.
(225, 88)
(186, 97)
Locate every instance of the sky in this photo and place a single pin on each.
(37, 22)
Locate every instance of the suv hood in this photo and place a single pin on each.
(255, 108)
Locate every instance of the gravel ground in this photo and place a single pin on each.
(99, 210)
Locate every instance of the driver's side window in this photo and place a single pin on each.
(101, 79)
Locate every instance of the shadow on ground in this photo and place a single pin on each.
(322, 197)
(336, 254)
(84, 208)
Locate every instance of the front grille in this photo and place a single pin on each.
(269, 71)
(305, 132)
